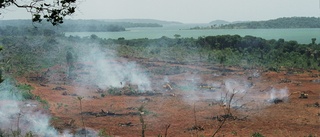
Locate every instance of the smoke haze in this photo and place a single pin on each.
(17, 114)
(107, 70)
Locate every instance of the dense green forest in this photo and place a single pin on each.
(287, 22)
(78, 25)
(30, 50)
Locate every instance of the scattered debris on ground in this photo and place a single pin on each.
(36, 78)
(103, 113)
(303, 95)
(132, 108)
(130, 90)
(285, 80)
(221, 118)
(167, 86)
(195, 127)
(64, 93)
(43, 85)
(99, 90)
(315, 75)
(276, 101)
(86, 132)
(127, 124)
(316, 81)
(58, 88)
(316, 104)
(70, 123)
(208, 87)
(145, 100)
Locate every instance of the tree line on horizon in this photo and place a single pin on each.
(74, 25)
(279, 23)
(36, 49)
(285, 22)
(231, 50)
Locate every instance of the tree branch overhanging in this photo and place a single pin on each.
(53, 12)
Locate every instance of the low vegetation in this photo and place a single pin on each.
(226, 50)
(257, 134)
(21, 53)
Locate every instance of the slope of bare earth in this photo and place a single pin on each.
(189, 98)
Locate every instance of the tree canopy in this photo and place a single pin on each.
(53, 11)
(286, 22)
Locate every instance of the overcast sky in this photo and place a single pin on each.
(186, 11)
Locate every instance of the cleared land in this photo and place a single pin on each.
(191, 98)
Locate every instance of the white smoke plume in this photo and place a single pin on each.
(108, 70)
(191, 88)
(281, 94)
(17, 113)
(233, 92)
(166, 80)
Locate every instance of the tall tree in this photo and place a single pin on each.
(52, 11)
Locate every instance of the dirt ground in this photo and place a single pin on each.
(191, 107)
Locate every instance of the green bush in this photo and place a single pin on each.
(44, 103)
(25, 90)
(257, 134)
(103, 133)
(25, 87)
(27, 95)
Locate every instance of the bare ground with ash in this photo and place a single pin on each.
(189, 111)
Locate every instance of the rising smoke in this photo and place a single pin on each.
(242, 94)
(107, 70)
(278, 94)
(20, 115)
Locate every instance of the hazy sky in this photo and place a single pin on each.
(186, 11)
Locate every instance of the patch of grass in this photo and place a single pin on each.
(234, 133)
(55, 118)
(27, 95)
(310, 135)
(14, 133)
(59, 105)
(25, 87)
(2, 133)
(44, 103)
(102, 95)
(257, 134)
(25, 90)
(29, 134)
(103, 133)
(147, 112)
(114, 91)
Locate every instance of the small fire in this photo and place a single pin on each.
(278, 96)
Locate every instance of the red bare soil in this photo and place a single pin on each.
(180, 108)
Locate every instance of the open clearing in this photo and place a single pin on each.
(189, 98)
